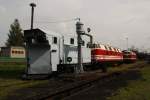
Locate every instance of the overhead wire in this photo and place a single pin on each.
(59, 21)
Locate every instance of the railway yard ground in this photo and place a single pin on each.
(124, 82)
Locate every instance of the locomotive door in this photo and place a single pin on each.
(54, 59)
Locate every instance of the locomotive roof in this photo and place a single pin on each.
(104, 46)
(129, 51)
(43, 31)
(52, 33)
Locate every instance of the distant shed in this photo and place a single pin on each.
(13, 52)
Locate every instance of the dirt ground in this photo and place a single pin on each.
(104, 90)
(101, 91)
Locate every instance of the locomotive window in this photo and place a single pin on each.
(117, 50)
(110, 48)
(99, 46)
(88, 45)
(106, 48)
(72, 41)
(94, 46)
(55, 40)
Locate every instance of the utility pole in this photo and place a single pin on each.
(32, 13)
(27, 42)
(80, 31)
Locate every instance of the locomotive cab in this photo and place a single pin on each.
(129, 56)
(104, 55)
(41, 48)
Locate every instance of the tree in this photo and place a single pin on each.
(15, 36)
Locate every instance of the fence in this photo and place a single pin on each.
(8, 60)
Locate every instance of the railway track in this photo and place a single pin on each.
(85, 84)
(79, 87)
(68, 85)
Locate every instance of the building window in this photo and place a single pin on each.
(72, 41)
(13, 51)
(55, 40)
(16, 52)
(19, 52)
(22, 52)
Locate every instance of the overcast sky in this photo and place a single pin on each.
(111, 21)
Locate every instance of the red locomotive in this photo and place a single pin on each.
(102, 55)
(105, 54)
(129, 56)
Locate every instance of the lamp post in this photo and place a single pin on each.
(32, 13)
(27, 42)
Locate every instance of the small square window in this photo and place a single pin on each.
(55, 40)
(13, 51)
(22, 52)
(72, 41)
(16, 52)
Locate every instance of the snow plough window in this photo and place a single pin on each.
(72, 41)
(93, 45)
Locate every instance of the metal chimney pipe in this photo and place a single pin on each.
(80, 31)
(32, 13)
